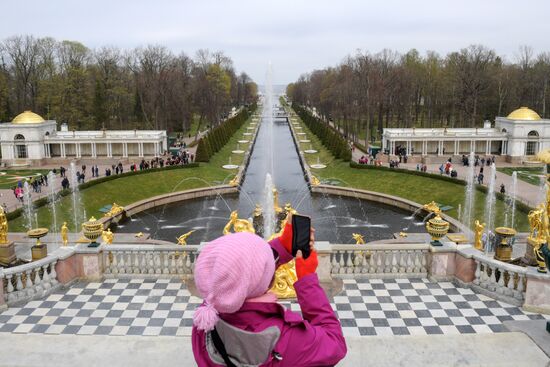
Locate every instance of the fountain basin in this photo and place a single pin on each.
(305, 141)
(230, 166)
(310, 151)
(243, 141)
(318, 166)
(300, 133)
(247, 134)
(238, 151)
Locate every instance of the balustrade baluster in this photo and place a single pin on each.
(510, 286)
(500, 284)
(477, 278)
(53, 274)
(364, 263)
(341, 268)
(394, 261)
(493, 279)
(380, 262)
(188, 265)
(518, 294)
(29, 289)
(387, 263)
(349, 262)
(11, 296)
(38, 286)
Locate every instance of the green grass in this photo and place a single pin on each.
(10, 177)
(528, 174)
(416, 188)
(130, 189)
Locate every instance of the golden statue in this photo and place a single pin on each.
(257, 210)
(107, 236)
(403, 234)
(182, 239)
(276, 206)
(3, 226)
(64, 234)
(288, 210)
(432, 207)
(238, 225)
(359, 239)
(285, 275)
(235, 181)
(138, 235)
(115, 210)
(478, 233)
(315, 181)
(536, 222)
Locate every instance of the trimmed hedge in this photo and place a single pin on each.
(61, 193)
(331, 139)
(519, 205)
(216, 138)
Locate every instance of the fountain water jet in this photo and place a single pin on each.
(490, 204)
(469, 194)
(79, 212)
(51, 200)
(28, 210)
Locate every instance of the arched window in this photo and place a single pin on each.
(532, 146)
(20, 146)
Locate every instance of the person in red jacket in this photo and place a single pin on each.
(241, 323)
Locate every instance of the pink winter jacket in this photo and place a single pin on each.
(314, 340)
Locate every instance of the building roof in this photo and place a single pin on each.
(28, 117)
(524, 114)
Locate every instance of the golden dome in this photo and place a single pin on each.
(28, 117)
(524, 113)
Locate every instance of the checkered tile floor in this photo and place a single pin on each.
(165, 307)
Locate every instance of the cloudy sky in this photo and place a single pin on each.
(296, 36)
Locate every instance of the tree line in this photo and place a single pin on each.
(147, 87)
(367, 92)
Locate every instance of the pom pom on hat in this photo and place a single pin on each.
(205, 317)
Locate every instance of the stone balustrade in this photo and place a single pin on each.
(395, 260)
(500, 280)
(33, 280)
(151, 260)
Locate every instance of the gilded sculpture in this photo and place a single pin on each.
(285, 275)
(478, 235)
(114, 211)
(234, 182)
(536, 222)
(3, 226)
(315, 181)
(64, 234)
(276, 206)
(107, 236)
(182, 240)
(432, 207)
(238, 225)
(359, 239)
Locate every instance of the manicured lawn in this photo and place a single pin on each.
(10, 177)
(416, 188)
(527, 174)
(127, 190)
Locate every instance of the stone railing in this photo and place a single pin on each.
(500, 280)
(149, 260)
(33, 280)
(395, 260)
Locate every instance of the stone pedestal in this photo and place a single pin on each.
(7, 253)
(39, 252)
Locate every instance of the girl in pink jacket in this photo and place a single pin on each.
(241, 324)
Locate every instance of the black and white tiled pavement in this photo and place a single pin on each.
(165, 307)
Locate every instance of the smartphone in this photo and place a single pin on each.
(301, 234)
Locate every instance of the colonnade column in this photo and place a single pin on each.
(109, 150)
(140, 149)
(472, 146)
(487, 149)
(63, 150)
(94, 150)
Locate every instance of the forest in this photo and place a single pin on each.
(147, 87)
(367, 92)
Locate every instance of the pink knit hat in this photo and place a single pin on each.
(229, 270)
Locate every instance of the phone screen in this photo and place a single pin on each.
(301, 233)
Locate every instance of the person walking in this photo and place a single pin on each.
(242, 319)
(502, 189)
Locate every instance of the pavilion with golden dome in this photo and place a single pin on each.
(29, 139)
(515, 138)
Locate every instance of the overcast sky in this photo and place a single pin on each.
(296, 36)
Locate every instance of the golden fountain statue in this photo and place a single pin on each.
(432, 207)
(182, 240)
(234, 182)
(285, 275)
(478, 233)
(107, 236)
(238, 225)
(64, 234)
(7, 249)
(359, 239)
(114, 211)
(315, 181)
(436, 227)
(278, 209)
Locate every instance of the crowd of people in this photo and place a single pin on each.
(369, 160)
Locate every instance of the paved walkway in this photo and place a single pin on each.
(366, 307)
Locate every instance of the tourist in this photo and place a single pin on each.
(237, 305)
(441, 169)
(418, 166)
(502, 189)
(96, 171)
(480, 178)
(65, 183)
(62, 171)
